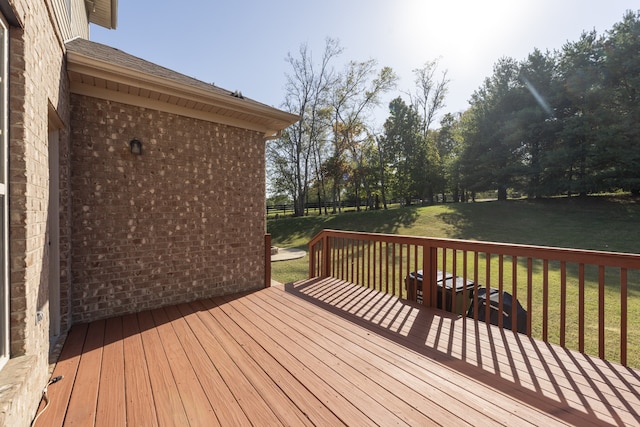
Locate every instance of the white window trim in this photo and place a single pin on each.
(4, 214)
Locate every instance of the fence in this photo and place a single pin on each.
(576, 298)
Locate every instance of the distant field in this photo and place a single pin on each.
(597, 223)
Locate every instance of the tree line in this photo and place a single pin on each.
(565, 122)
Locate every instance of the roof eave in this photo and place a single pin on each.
(103, 13)
(254, 115)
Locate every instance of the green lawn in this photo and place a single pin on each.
(598, 223)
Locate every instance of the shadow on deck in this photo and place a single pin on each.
(326, 352)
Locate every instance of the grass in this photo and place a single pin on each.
(598, 223)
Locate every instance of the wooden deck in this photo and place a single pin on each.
(325, 352)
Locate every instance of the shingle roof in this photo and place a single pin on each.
(115, 56)
(95, 59)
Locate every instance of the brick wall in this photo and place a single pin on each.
(182, 221)
(38, 86)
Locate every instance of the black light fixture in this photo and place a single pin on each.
(136, 146)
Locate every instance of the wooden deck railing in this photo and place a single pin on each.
(578, 299)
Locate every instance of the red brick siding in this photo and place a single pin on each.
(184, 220)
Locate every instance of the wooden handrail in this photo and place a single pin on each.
(510, 274)
(614, 259)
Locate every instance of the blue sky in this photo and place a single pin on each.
(242, 44)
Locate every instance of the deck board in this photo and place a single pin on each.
(315, 410)
(84, 397)
(434, 385)
(228, 410)
(250, 399)
(269, 390)
(140, 407)
(167, 400)
(67, 366)
(111, 405)
(329, 397)
(194, 400)
(389, 395)
(326, 352)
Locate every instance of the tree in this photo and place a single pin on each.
(536, 121)
(357, 91)
(567, 122)
(581, 70)
(493, 152)
(450, 143)
(622, 83)
(298, 153)
(428, 99)
(404, 150)
(429, 96)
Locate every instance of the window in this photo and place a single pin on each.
(4, 203)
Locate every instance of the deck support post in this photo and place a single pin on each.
(267, 260)
(429, 275)
(326, 256)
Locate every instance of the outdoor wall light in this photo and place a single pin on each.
(136, 146)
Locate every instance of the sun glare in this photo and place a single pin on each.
(454, 29)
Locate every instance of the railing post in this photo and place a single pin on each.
(326, 256)
(267, 260)
(312, 260)
(429, 275)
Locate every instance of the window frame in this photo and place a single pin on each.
(4, 193)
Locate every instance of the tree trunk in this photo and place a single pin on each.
(502, 193)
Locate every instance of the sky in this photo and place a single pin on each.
(243, 44)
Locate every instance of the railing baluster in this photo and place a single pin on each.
(529, 294)
(581, 307)
(338, 259)
(545, 299)
(443, 300)
(373, 268)
(328, 257)
(465, 298)
(368, 263)
(416, 282)
(476, 286)
(363, 243)
(623, 316)
(563, 302)
(454, 280)
(380, 264)
(393, 267)
(347, 260)
(601, 343)
(500, 290)
(347, 263)
(400, 273)
(426, 276)
(344, 256)
(353, 259)
(357, 261)
(333, 263)
(514, 292)
(487, 286)
(386, 267)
